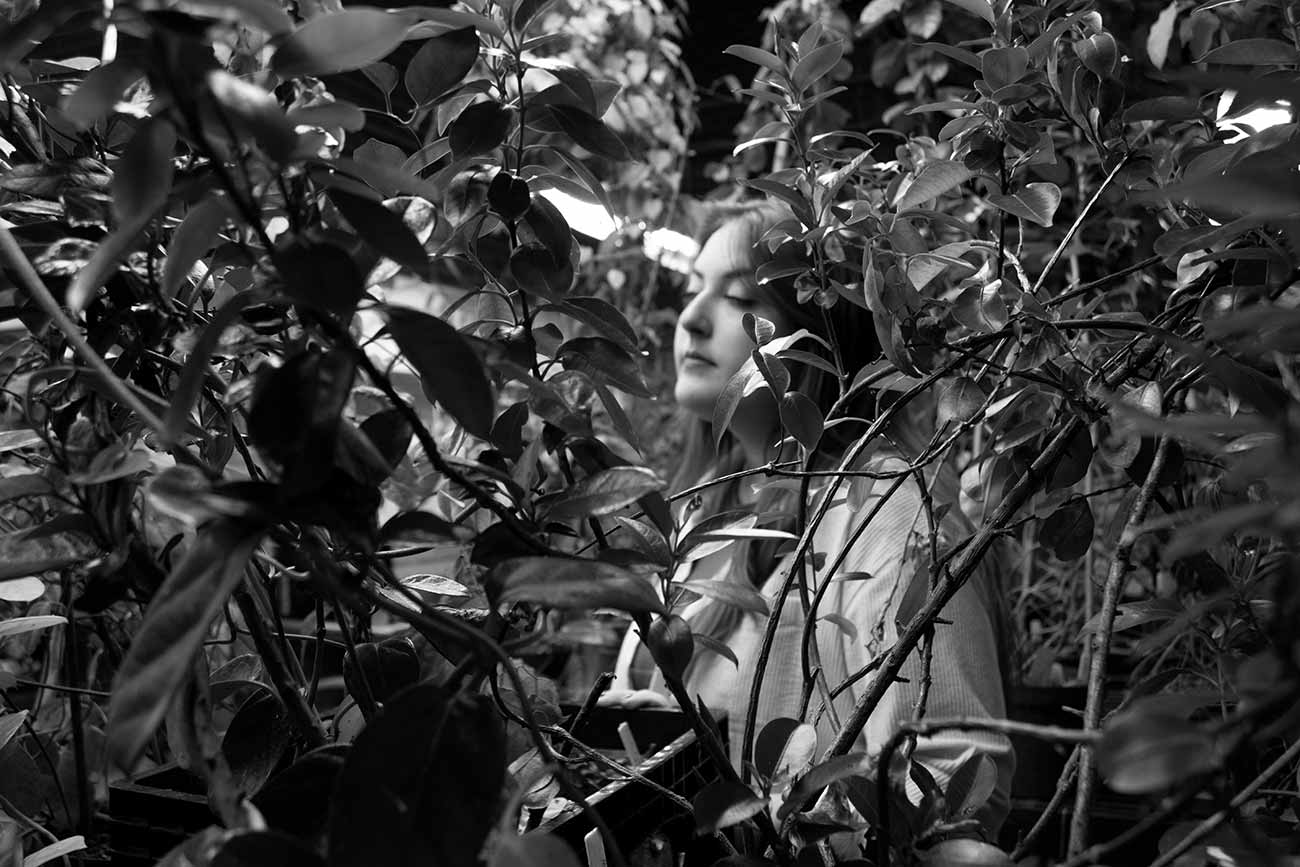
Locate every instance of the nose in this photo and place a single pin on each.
(694, 318)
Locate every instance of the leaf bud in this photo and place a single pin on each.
(671, 642)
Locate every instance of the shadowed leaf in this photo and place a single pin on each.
(339, 42)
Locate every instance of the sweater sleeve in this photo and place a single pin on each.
(965, 671)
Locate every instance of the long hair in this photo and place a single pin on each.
(845, 325)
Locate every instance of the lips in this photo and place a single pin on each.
(696, 357)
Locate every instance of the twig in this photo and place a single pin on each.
(1101, 643)
(1205, 828)
(13, 256)
(1063, 785)
(304, 718)
(1078, 222)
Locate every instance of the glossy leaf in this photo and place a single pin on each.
(765, 59)
(801, 416)
(1004, 66)
(1253, 52)
(960, 400)
(978, 8)
(98, 92)
(722, 804)
(964, 852)
(479, 129)
(605, 492)
(934, 179)
(1068, 531)
(1035, 201)
(1073, 464)
(980, 307)
(556, 582)
(441, 62)
(821, 776)
(590, 132)
(197, 234)
(741, 596)
(174, 628)
(252, 112)
(336, 42)
(816, 64)
(449, 369)
(604, 360)
(422, 782)
(971, 784)
(383, 230)
(534, 849)
(1145, 751)
(21, 625)
(256, 740)
(673, 644)
(142, 178)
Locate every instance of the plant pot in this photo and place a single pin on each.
(153, 813)
(633, 811)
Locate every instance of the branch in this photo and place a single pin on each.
(1119, 565)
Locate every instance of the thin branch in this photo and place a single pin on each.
(1119, 566)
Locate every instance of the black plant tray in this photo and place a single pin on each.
(674, 759)
(154, 813)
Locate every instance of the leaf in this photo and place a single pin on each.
(28, 552)
(816, 65)
(980, 307)
(252, 112)
(606, 361)
(478, 129)
(449, 369)
(55, 851)
(978, 8)
(21, 625)
(722, 804)
(142, 178)
(441, 63)
(296, 799)
(934, 179)
(256, 740)
(744, 597)
(420, 527)
(821, 776)
(534, 849)
(708, 642)
(1161, 32)
(556, 582)
(1068, 531)
(1036, 201)
(1144, 751)
(10, 725)
(600, 315)
(605, 492)
(21, 589)
(195, 372)
(172, 633)
(590, 132)
(1073, 463)
(793, 755)
(1164, 108)
(802, 418)
(339, 42)
(765, 59)
(964, 852)
(383, 230)
(421, 784)
(259, 848)
(971, 784)
(321, 275)
(960, 400)
(845, 625)
(98, 92)
(13, 440)
(1253, 52)
(193, 239)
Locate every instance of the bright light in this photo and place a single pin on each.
(1257, 119)
(675, 250)
(583, 217)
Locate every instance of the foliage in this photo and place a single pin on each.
(227, 435)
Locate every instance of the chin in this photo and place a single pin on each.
(698, 402)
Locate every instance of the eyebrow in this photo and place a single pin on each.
(735, 274)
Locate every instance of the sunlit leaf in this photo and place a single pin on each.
(934, 179)
(722, 804)
(605, 492)
(1036, 201)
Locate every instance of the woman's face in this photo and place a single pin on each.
(710, 344)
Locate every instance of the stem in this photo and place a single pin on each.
(1063, 784)
(72, 665)
(1078, 222)
(923, 728)
(366, 697)
(303, 718)
(1101, 644)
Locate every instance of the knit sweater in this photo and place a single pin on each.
(965, 674)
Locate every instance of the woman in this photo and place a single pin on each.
(710, 345)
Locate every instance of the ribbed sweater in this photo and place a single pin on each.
(965, 675)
